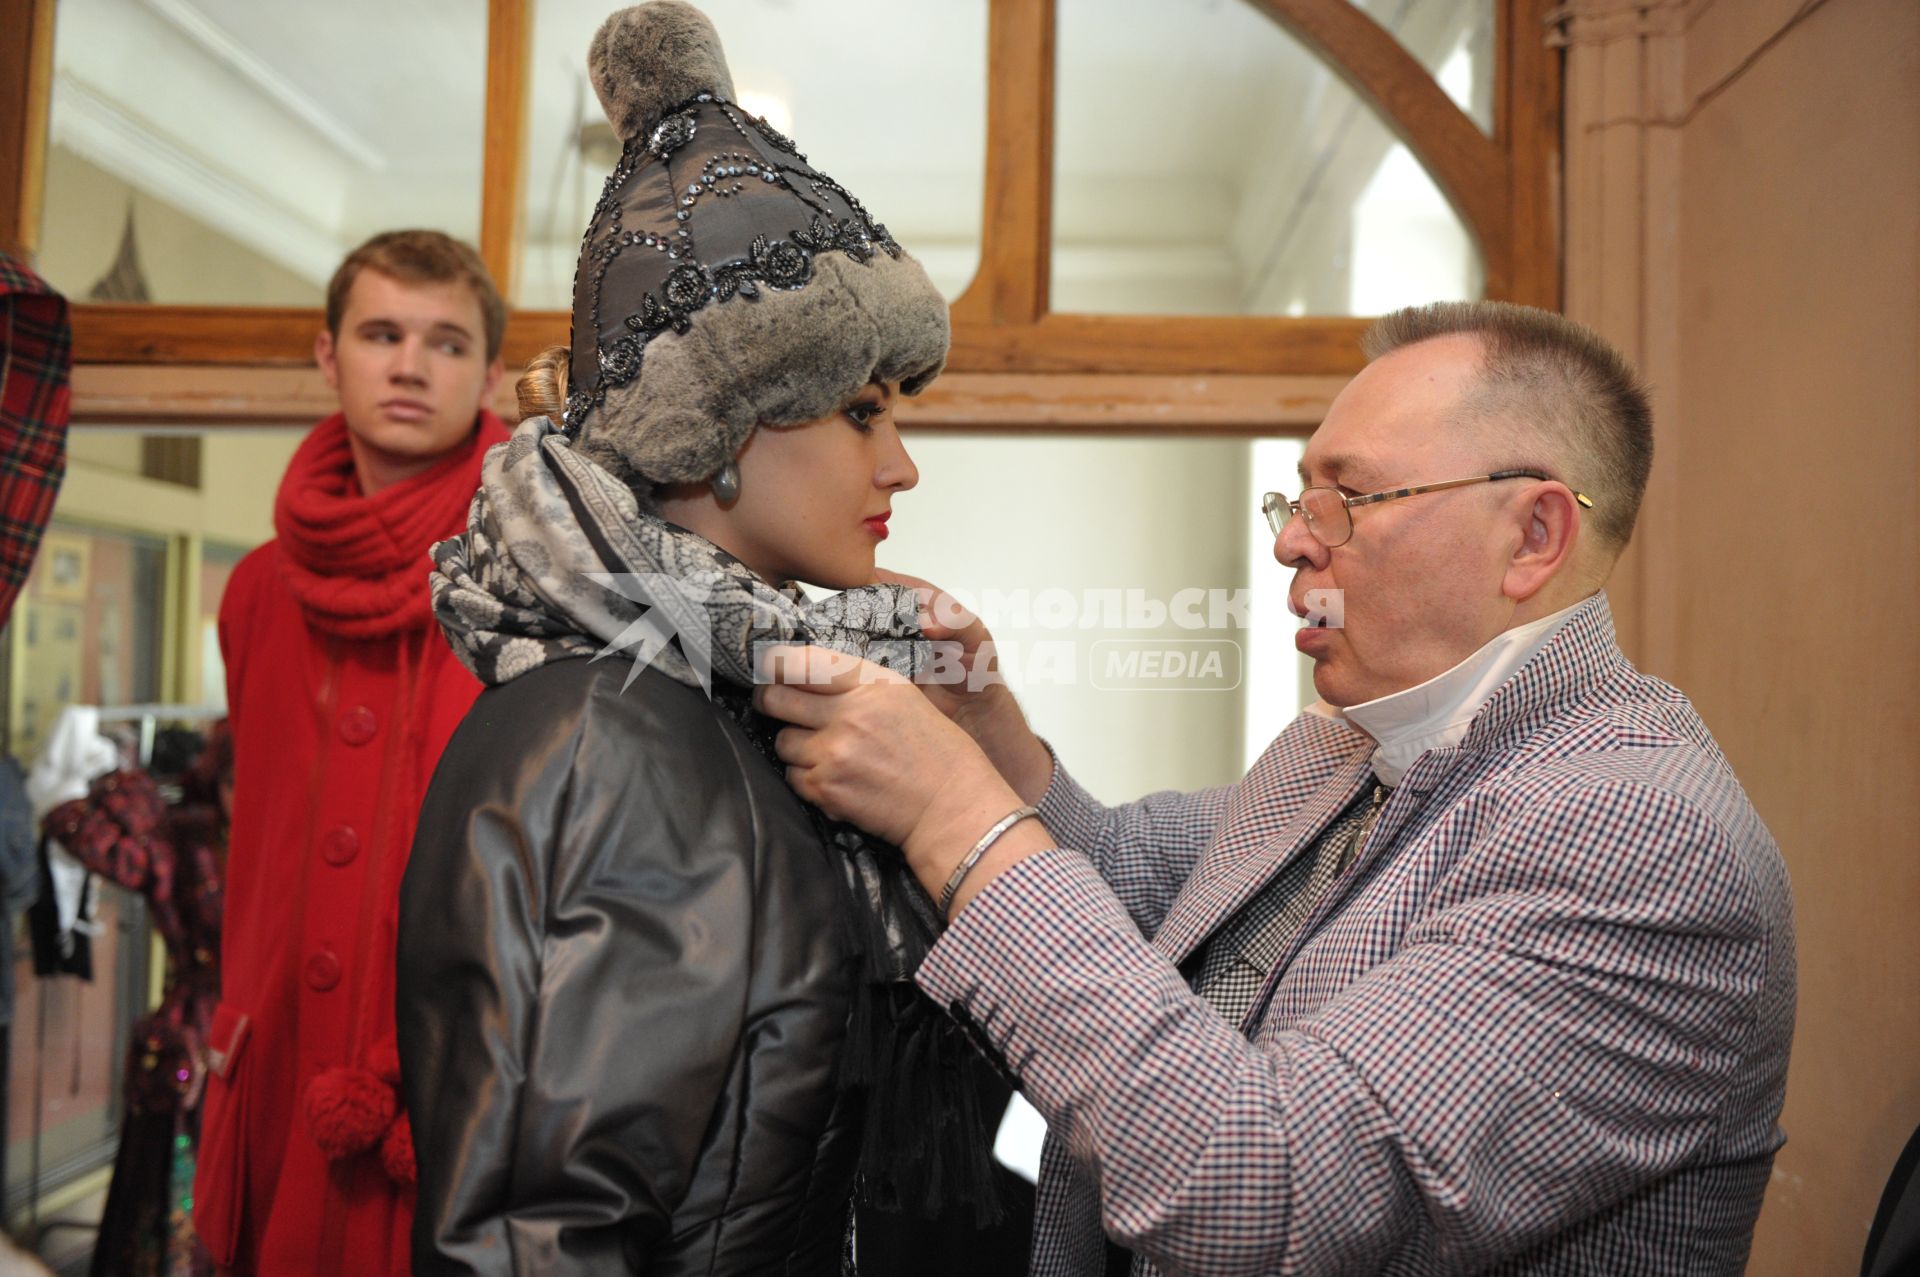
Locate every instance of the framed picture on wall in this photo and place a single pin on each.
(65, 557)
(94, 609)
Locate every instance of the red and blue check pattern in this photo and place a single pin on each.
(1540, 1027)
(36, 355)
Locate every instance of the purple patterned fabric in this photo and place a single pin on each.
(1541, 1027)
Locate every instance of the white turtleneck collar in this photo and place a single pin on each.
(1436, 714)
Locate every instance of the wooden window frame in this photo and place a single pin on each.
(1015, 363)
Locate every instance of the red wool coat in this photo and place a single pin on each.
(342, 694)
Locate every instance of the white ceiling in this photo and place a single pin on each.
(1190, 133)
(406, 77)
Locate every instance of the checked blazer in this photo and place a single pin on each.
(1539, 1025)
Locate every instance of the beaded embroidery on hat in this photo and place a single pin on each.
(709, 206)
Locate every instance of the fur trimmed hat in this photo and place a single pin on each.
(724, 283)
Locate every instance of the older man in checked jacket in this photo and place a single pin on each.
(1486, 966)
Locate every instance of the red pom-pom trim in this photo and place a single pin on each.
(348, 1110)
(396, 1153)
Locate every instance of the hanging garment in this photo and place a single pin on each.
(60, 923)
(124, 832)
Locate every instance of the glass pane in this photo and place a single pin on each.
(214, 486)
(887, 97)
(66, 1041)
(1273, 191)
(1453, 40)
(1157, 613)
(1279, 676)
(216, 567)
(91, 627)
(88, 627)
(230, 152)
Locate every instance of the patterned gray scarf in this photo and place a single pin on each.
(561, 562)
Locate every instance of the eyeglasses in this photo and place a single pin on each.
(1329, 512)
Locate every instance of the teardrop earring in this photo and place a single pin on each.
(726, 484)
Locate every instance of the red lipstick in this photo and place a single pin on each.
(878, 525)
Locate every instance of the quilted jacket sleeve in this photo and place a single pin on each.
(572, 939)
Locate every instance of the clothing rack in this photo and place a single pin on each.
(150, 716)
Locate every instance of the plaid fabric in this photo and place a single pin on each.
(1540, 1026)
(36, 355)
(1236, 963)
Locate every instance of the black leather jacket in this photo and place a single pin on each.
(623, 989)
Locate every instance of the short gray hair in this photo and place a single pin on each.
(1568, 391)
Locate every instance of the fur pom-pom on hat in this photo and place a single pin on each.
(724, 283)
(650, 58)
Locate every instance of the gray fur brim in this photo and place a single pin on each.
(780, 360)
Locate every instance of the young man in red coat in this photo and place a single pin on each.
(342, 694)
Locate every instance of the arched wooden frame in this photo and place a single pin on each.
(1015, 363)
(1500, 186)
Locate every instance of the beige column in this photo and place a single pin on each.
(1741, 184)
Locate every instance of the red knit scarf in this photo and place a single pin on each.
(358, 565)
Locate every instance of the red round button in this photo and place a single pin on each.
(358, 725)
(322, 970)
(340, 845)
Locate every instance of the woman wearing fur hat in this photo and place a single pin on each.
(657, 1014)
